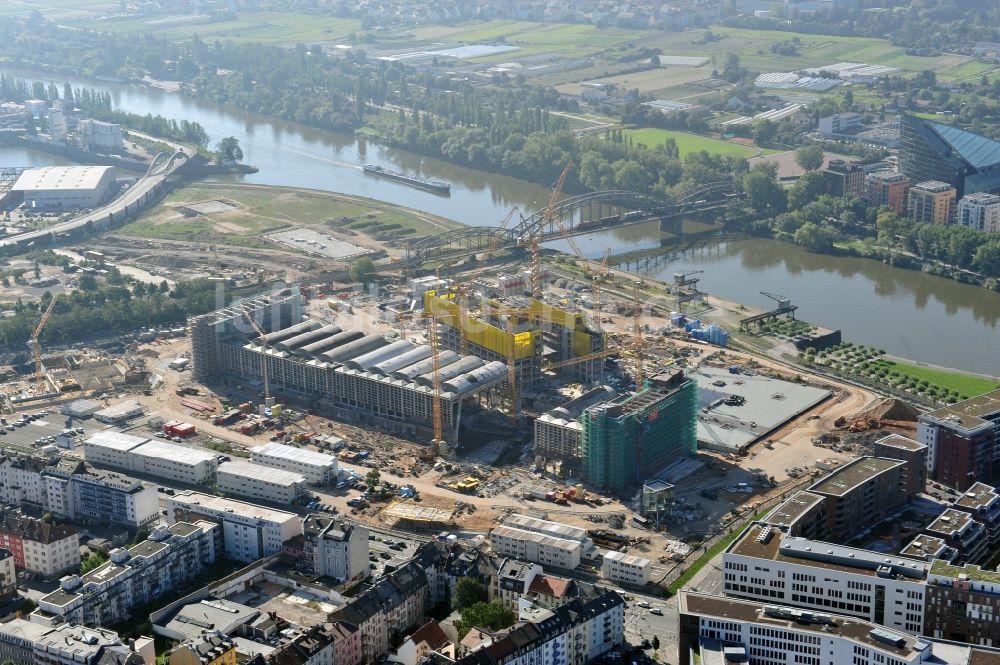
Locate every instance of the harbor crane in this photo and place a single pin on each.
(784, 308)
(36, 347)
(684, 279)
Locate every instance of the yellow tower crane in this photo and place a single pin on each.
(36, 347)
(263, 354)
(432, 335)
(547, 217)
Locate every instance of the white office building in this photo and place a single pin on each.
(249, 531)
(318, 468)
(256, 481)
(66, 187)
(979, 211)
(554, 529)
(626, 568)
(779, 635)
(111, 449)
(531, 546)
(765, 565)
(160, 459)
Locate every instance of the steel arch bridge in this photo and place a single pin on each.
(577, 216)
(166, 163)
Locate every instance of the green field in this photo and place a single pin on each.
(57, 8)
(264, 27)
(689, 143)
(260, 210)
(963, 383)
(570, 40)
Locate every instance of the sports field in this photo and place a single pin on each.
(689, 143)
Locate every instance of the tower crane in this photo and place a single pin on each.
(438, 439)
(36, 347)
(637, 341)
(547, 217)
(263, 353)
(463, 288)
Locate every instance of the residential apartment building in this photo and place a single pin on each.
(626, 569)
(983, 503)
(979, 211)
(385, 610)
(860, 494)
(963, 441)
(334, 547)
(885, 189)
(108, 497)
(963, 603)
(766, 565)
(346, 643)
(960, 531)
(530, 546)
(24, 642)
(8, 575)
(578, 632)
(931, 202)
(259, 482)
(779, 635)
(210, 648)
(316, 646)
(249, 532)
(513, 580)
(136, 576)
(49, 549)
(317, 468)
(914, 453)
(20, 479)
(844, 179)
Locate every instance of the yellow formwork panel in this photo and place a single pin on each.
(479, 332)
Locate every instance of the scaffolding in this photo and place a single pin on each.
(632, 438)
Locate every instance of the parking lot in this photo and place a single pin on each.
(42, 427)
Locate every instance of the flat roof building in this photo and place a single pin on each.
(963, 441)
(66, 186)
(186, 464)
(120, 413)
(626, 569)
(931, 202)
(531, 546)
(256, 481)
(887, 189)
(316, 468)
(859, 495)
(979, 211)
(250, 532)
(786, 636)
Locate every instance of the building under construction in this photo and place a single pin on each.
(348, 374)
(630, 439)
(531, 333)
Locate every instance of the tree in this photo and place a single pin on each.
(229, 149)
(88, 283)
(806, 189)
(93, 560)
(491, 616)
(809, 157)
(468, 592)
(48, 518)
(764, 194)
(363, 270)
(373, 478)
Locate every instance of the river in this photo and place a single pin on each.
(908, 313)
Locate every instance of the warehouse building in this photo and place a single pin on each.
(631, 438)
(263, 483)
(119, 414)
(316, 468)
(249, 532)
(351, 378)
(110, 449)
(66, 187)
(530, 546)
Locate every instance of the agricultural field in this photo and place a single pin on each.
(689, 143)
(57, 8)
(570, 40)
(254, 211)
(263, 27)
(656, 82)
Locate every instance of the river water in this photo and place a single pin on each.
(908, 313)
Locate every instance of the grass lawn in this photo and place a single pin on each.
(263, 210)
(53, 8)
(689, 143)
(963, 383)
(570, 40)
(264, 27)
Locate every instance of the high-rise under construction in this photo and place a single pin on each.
(633, 437)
